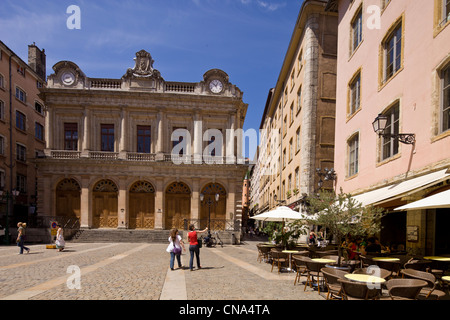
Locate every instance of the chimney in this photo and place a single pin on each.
(37, 61)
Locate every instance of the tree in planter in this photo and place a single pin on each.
(286, 238)
(343, 216)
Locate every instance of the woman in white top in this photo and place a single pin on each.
(175, 248)
(60, 243)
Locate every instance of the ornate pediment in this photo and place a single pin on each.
(143, 67)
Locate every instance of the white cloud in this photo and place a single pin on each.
(270, 5)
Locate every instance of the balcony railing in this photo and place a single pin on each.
(140, 157)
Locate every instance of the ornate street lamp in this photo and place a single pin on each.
(209, 202)
(325, 175)
(379, 126)
(8, 196)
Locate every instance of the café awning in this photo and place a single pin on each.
(437, 201)
(402, 189)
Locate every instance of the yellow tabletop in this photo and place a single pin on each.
(364, 278)
(435, 258)
(290, 251)
(385, 259)
(446, 278)
(323, 260)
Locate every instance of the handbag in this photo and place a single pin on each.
(176, 250)
(200, 243)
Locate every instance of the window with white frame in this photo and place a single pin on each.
(445, 109)
(21, 183)
(21, 95)
(392, 52)
(445, 11)
(353, 155)
(2, 145)
(355, 94)
(21, 153)
(2, 110)
(390, 146)
(299, 100)
(357, 24)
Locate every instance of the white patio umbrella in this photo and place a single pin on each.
(280, 214)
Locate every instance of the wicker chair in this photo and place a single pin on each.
(428, 292)
(385, 274)
(405, 289)
(393, 267)
(313, 271)
(332, 276)
(366, 261)
(352, 290)
(279, 258)
(299, 263)
(421, 265)
(263, 253)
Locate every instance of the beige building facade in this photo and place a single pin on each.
(297, 128)
(140, 152)
(22, 131)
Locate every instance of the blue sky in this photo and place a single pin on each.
(248, 39)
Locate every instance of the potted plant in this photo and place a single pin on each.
(343, 216)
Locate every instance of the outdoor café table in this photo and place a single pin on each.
(324, 261)
(290, 252)
(364, 278)
(446, 278)
(435, 258)
(387, 259)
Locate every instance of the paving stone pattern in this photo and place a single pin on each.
(137, 271)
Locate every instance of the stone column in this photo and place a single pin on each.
(198, 138)
(122, 207)
(85, 208)
(49, 122)
(159, 204)
(231, 200)
(160, 124)
(230, 146)
(195, 199)
(123, 142)
(86, 146)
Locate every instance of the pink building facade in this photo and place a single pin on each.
(394, 60)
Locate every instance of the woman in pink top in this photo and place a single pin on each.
(193, 246)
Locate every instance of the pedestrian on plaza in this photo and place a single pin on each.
(60, 242)
(175, 248)
(312, 238)
(21, 237)
(194, 246)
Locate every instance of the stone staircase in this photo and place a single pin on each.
(121, 236)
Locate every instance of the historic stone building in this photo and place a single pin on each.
(298, 123)
(21, 130)
(140, 152)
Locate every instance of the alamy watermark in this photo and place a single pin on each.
(74, 20)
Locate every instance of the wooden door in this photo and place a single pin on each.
(105, 209)
(142, 211)
(68, 204)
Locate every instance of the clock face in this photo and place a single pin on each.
(216, 86)
(68, 78)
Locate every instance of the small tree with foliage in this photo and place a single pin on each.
(343, 216)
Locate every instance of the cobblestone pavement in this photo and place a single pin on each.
(119, 271)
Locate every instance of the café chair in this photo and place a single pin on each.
(352, 290)
(421, 265)
(385, 274)
(405, 289)
(279, 258)
(313, 271)
(366, 261)
(393, 267)
(331, 276)
(428, 292)
(299, 263)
